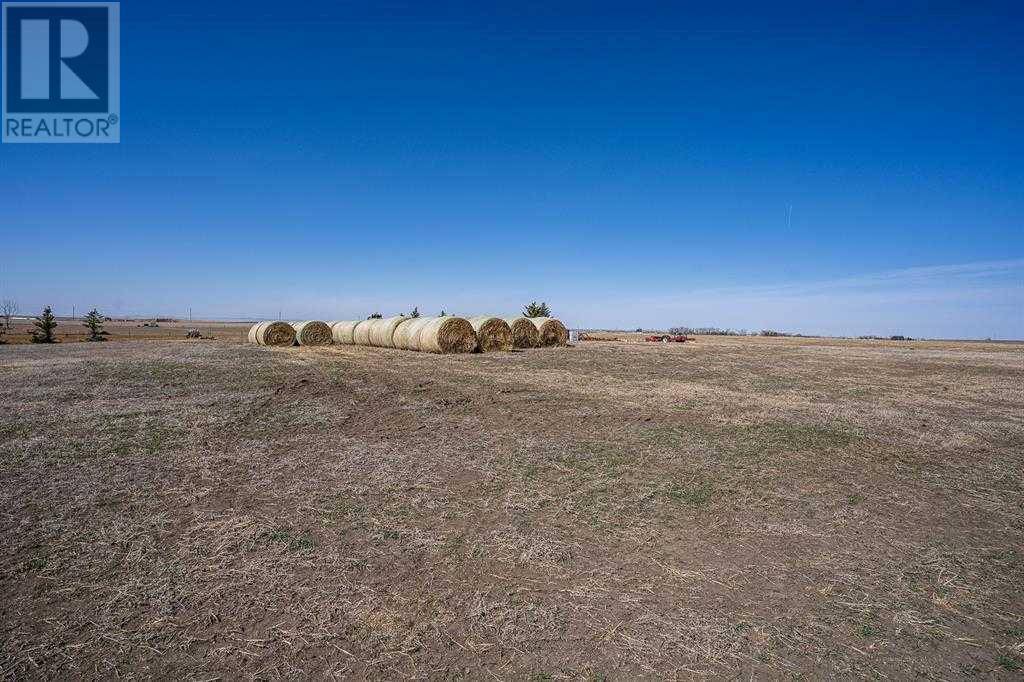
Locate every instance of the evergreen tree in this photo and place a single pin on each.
(415, 312)
(45, 324)
(94, 322)
(375, 316)
(537, 310)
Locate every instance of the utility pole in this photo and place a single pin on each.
(72, 312)
(190, 313)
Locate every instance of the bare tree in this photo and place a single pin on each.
(8, 309)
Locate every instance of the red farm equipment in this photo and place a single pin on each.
(668, 338)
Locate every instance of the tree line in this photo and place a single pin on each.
(532, 309)
(45, 324)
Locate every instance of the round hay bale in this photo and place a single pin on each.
(343, 331)
(272, 333)
(524, 332)
(407, 335)
(312, 333)
(447, 335)
(361, 332)
(382, 332)
(552, 331)
(492, 333)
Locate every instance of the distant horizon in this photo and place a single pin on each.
(611, 330)
(988, 295)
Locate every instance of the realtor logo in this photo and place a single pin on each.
(61, 72)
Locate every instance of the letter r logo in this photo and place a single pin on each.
(35, 59)
(57, 58)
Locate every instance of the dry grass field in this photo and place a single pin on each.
(69, 330)
(735, 507)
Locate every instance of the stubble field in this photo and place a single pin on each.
(733, 507)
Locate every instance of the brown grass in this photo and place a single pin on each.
(766, 508)
(73, 331)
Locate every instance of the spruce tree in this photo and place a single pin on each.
(535, 309)
(94, 322)
(45, 324)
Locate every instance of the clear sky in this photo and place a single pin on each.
(805, 167)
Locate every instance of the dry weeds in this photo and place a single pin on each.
(728, 508)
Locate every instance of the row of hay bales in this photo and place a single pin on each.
(426, 334)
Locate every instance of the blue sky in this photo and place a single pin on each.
(633, 164)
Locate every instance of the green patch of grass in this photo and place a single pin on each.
(594, 505)
(296, 542)
(126, 373)
(13, 431)
(692, 494)
(596, 474)
(866, 631)
(1008, 662)
(856, 498)
(751, 441)
(343, 509)
(281, 421)
(595, 458)
(36, 563)
(184, 374)
(125, 436)
(1009, 557)
(387, 535)
(774, 385)
(154, 371)
(301, 543)
(787, 437)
